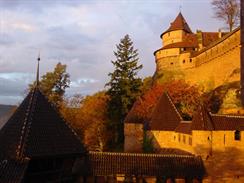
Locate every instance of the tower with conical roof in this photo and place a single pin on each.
(177, 30)
(179, 42)
(37, 144)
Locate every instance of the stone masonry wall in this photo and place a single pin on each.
(133, 137)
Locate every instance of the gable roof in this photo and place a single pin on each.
(36, 129)
(202, 120)
(205, 121)
(165, 115)
(178, 24)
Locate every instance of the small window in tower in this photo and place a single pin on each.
(237, 135)
(171, 63)
(184, 61)
(179, 137)
(184, 139)
(190, 60)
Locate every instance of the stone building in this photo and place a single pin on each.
(199, 55)
(218, 139)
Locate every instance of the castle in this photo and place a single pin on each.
(202, 58)
(199, 56)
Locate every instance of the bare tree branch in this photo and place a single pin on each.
(228, 11)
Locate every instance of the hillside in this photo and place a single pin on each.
(5, 112)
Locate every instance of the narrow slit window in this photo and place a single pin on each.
(237, 135)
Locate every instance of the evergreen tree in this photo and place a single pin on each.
(124, 85)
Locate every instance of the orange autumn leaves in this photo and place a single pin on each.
(89, 116)
(186, 98)
(90, 120)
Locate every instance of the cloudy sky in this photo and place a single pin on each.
(83, 35)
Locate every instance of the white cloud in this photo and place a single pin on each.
(83, 35)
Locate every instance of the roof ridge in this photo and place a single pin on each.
(26, 125)
(184, 121)
(173, 105)
(226, 115)
(141, 154)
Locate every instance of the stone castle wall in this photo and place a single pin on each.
(217, 64)
(133, 137)
(211, 67)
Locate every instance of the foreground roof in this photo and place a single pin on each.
(36, 129)
(165, 115)
(145, 164)
(12, 171)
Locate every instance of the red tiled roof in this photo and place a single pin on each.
(190, 41)
(184, 127)
(165, 115)
(230, 123)
(36, 129)
(132, 117)
(178, 24)
(202, 120)
(145, 164)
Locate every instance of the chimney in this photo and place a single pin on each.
(220, 33)
(242, 52)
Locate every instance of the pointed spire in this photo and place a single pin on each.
(178, 24)
(37, 72)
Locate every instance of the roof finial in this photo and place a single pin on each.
(37, 72)
(180, 8)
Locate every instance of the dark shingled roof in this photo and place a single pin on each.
(165, 115)
(225, 122)
(178, 24)
(202, 120)
(36, 129)
(132, 117)
(184, 127)
(12, 171)
(145, 164)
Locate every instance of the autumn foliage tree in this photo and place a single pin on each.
(90, 119)
(53, 84)
(186, 97)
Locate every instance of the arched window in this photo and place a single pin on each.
(184, 61)
(237, 135)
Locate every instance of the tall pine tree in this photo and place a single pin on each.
(124, 86)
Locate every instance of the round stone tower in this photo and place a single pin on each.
(178, 43)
